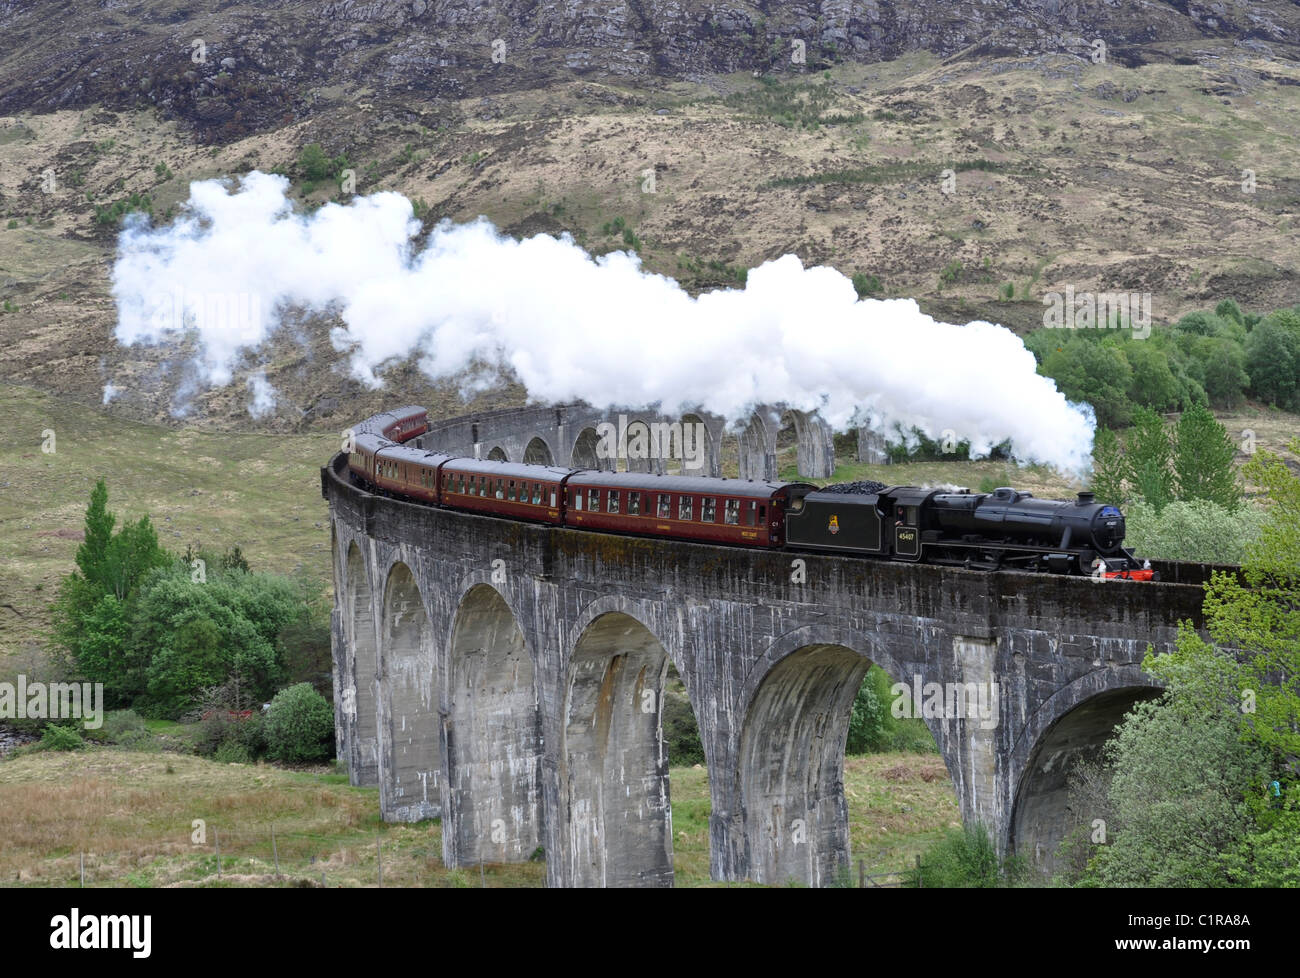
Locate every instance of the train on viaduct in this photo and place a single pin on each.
(507, 677)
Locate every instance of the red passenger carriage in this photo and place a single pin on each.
(731, 511)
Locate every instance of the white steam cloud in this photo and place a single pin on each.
(573, 327)
(264, 395)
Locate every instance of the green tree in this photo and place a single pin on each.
(1088, 370)
(1178, 795)
(1222, 364)
(92, 553)
(871, 726)
(197, 635)
(1228, 309)
(1260, 612)
(1153, 383)
(1148, 456)
(92, 610)
(1202, 461)
(1107, 467)
(1273, 358)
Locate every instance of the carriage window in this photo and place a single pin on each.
(593, 500)
(501, 489)
(732, 512)
(751, 508)
(665, 507)
(577, 499)
(710, 514)
(537, 493)
(510, 493)
(552, 497)
(633, 504)
(612, 502)
(482, 485)
(685, 508)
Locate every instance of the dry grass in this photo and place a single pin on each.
(132, 815)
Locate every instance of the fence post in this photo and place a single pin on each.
(275, 852)
(862, 875)
(83, 869)
(482, 878)
(379, 859)
(919, 884)
(217, 838)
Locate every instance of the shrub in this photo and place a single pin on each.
(964, 857)
(1197, 531)
(232, 752)
(866, 285)
(122, 724)
(140, 740)
(61, 738)
(299, 725)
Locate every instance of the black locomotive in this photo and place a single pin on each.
(987, 531)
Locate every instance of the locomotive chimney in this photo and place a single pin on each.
(1086, 498)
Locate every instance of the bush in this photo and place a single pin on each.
(299, 725)
(1197, 531)
(222, 730)
(140, 740)
(967, 858)
(61, 738)
(122, 724)
(232, 752)
(866, 285)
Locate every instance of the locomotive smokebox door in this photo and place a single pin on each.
(834, 521)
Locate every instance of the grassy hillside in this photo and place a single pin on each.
(257, 491)
(132, 814)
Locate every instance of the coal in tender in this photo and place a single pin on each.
(864, 488)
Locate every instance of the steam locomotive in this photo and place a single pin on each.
(1005, 529)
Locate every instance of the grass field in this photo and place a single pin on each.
(133, 816)
(257, 491)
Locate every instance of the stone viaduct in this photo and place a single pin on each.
(508, 677)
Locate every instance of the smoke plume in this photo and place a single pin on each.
(570, 326)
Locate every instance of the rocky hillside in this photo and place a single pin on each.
(249, 67)
(1125, 173)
